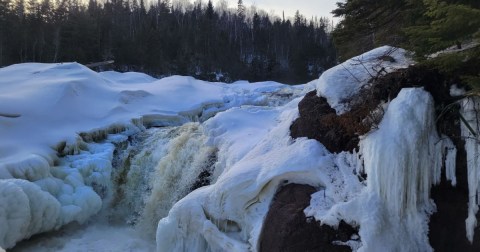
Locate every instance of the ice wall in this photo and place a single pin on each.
(39, 197)
(403, 158)
(400, 159)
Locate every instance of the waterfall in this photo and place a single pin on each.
(161, 166)
(127, 177)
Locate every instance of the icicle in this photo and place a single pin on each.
(357, 161)
(398, 157)
(401, 160)
(469, 110)
(450, 160)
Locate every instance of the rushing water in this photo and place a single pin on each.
(152, 170)
(171, 163)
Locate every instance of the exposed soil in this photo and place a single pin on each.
(287, 229)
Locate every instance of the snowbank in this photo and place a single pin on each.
(45, 107)
(341, 82)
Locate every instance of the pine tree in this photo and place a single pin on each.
(210, 11)
(240, 10)
(449, 24)
(367, 24)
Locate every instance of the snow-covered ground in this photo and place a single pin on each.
(128, 184)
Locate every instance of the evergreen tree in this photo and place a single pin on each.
(448, 24)
(240, 10)
(367, 24)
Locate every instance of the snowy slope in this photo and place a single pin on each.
(43, 108)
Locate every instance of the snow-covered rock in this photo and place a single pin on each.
(343, 81)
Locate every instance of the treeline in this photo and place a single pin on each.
(166, 38)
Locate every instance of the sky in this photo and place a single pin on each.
(308, 8)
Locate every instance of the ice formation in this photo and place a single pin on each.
(402, 160)
(470, 132)
(40, 198)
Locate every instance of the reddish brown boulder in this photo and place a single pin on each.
(287, 229)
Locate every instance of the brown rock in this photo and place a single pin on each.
(286, 228)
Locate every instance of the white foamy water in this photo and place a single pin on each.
(152, 171)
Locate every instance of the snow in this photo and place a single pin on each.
(90, 238)
(51, 109)
(454, 49)
(80, 146)
(80, 100)
(341, 82)
(228, 214)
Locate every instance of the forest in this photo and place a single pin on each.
(165, 38)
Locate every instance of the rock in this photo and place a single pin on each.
(319, 121)
(286, 228)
